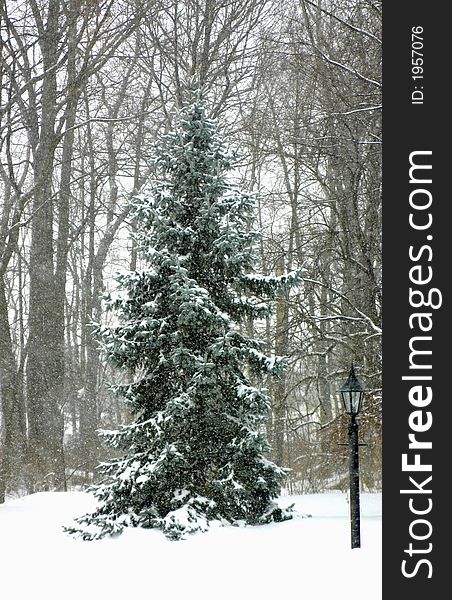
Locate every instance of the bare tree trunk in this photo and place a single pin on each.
(281, 342)
(45, 364)
(12, 409)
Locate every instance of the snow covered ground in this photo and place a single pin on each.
(307, 558)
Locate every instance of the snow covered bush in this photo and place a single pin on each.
(195, 451)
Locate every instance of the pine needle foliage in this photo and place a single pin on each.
(195, 451)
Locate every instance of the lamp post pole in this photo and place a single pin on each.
(354, 482)
(352, 396)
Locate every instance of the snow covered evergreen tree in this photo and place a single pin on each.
(195, 451)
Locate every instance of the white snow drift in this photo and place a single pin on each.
(307, 559)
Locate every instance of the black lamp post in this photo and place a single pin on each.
(352, 397)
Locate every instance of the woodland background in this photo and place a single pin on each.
(87, 86)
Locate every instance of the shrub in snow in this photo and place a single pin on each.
(195, 451)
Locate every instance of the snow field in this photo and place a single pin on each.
(306, 558)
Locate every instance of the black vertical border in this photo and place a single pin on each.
(406, 128)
